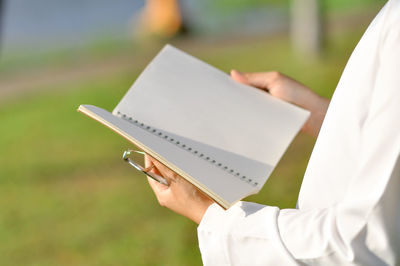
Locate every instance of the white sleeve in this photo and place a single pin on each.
(245, 234)
(360, 232)
(362, 229)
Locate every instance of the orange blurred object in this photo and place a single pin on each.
(161, 17)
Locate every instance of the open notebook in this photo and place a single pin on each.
(223, 137)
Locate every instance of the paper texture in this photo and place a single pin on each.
(186, 97)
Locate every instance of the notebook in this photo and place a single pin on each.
(222, 136)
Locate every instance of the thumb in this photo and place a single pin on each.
(256, 79)
(239, 77)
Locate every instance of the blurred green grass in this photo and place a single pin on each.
(68, 199)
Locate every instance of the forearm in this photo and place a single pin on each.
(318, 107)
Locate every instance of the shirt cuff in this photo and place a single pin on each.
(213, 213)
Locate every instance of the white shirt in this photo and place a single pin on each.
(349, 203)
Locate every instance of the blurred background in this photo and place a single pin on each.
(66, 197)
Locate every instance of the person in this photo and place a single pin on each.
(348, 208)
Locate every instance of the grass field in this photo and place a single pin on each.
(68, 199)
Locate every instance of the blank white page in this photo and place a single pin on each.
(245, 128)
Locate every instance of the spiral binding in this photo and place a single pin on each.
(183, 146)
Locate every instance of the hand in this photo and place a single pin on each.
(180, 196)
(289, 90)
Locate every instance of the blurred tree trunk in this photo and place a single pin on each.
(307, 26)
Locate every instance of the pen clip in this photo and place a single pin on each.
(140, 168)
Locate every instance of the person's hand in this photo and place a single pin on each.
(289, 90)
(180, 196)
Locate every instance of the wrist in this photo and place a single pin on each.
(199, 212)
(307, 99)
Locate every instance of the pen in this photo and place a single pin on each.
(140, 168)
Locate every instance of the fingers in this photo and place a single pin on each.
(147, 160)
(160, 169)
(181, 196)
(162, 192)
(159, 189)
(151, 167)
(239, 77)
(148, 164)
(152, 163)
(164, 171)
(261, 80)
